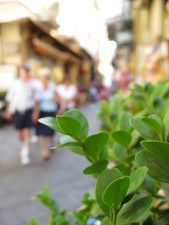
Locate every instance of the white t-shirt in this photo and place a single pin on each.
(22, 95)
(47, 98)
(67, 93)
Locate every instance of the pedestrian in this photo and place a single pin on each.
(48, 108)
(35, 137)
(23, 104)
(68, 94)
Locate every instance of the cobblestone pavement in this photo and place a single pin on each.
(63, 173)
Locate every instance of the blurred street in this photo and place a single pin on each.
(63, 174)
(54, 58)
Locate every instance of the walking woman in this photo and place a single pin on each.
(68, 95)
(48, 108)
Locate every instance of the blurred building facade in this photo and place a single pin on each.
(141, 32)
(151, 28)
(27, 38)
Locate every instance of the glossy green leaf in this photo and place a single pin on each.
(77, 150)
(157, 167)
(159, 148)
(122, 137)
(52, 123)
(116, 192)
(95, 144)
(68, 144)
(157, 118)
(125, 121)
(70, 126)
(137, 178)
(142, 128)
(132, 198)
(106, 221)
(44, 195)
(96, 168)
(59, 220)
(134, 138)
(72, 145)
(154, 125)
(67, 141)
(54, 205)
(77, 115)
(166, 123)
(156, 158)
(134, 210)
(105, 178)
(45, 198)
(150, 184)
(124, 168)
(67, 138)
(127, 199)
(119, 151)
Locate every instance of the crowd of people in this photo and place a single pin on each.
(33, 97)
(29, 99)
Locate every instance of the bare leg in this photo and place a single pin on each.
(25, 133)
(19, 134)
(26, 136)
(43, 142)
(51, 143)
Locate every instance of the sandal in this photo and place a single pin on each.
(44, 158)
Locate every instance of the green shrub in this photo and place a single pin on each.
(134, 137)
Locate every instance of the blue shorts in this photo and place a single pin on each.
(43, 130)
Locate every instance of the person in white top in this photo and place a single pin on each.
(23, 105)
(68, 94)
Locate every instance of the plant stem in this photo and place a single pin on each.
(114, 217)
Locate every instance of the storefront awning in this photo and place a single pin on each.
(52, 52)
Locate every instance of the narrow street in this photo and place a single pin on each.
(63, 173)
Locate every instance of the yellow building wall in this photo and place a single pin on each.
(14, 59)
(11, 32)
(148, 20)
(156, 19)
(144, 25)
(10, 43)
(0, 48)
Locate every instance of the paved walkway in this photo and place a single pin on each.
(63, 173)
